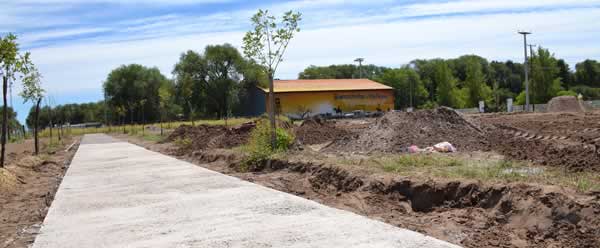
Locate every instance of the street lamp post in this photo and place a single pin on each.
(359, 60)
(524, 33)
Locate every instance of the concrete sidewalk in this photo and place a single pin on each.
(116, 194)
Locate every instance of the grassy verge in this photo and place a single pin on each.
(495, 170)
(135, 129)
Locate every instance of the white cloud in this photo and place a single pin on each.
(332, 33)
(84, 66)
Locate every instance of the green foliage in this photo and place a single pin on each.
(70, 113)
(520, 100)
(135, 89)
(447, 92)
(474, 82)
(345, 71)
(588, 73)
(13, 123)
(587, 92)
(269, 39)
(408, 88)
(545, 80)
(211, 84)
(259, 144)
(566, 93)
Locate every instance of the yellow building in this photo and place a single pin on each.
(296, 98)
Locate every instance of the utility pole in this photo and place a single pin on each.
(359, 60)
(524, 33)
(531, 46)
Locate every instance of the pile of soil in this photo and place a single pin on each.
(207, 136)
(565, 104)
(318, 131)
(468, 213)
(395, 131)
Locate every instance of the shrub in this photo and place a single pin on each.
(566, 93)
(259, 144)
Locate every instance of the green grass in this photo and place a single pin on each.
(135, 129)
(495, 170)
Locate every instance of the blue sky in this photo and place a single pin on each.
(77, 42)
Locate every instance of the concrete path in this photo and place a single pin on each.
(116, 194)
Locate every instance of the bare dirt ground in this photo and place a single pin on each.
(566, 140)
(24, 201)
(468, 212)
(462, 198)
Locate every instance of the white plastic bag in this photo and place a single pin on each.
(444, 147)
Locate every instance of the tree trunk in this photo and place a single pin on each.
(50, 115)
(161, 125)
(143, 122)
(272, 111)
(191, 113)
(4, 120)
(36, 139)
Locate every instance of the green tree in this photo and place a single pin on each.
(165, 94)
(545, 79)
(588, 73)
(211, 80)
(11, 65)
(409, 91)
(128, 85)
(189, 73)
(346, 71)
(565, 74)
(33, 92)
(447, 92)
(476, 88)
(266, 44)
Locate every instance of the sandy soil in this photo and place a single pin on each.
(567, 140)
(24, 204)
(469, 213)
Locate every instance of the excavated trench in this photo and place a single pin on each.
(467, 213)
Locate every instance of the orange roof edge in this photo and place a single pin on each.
(307, 85)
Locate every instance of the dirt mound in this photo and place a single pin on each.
(207, 136)
(318, 131)
(565, 104)
(394, 132)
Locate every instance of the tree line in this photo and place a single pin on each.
(464, 81)
(218, 82)
(213, 84)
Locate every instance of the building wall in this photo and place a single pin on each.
(296, 103)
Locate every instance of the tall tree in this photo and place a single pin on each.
(409, 91)
(447, 92)
(189, 73)
(565, 73)
(33, 92)
(128, 85)
(345, 71)
(477, 90)
(588, 73)
(11, 64)
(225, 67)
(545, 79)
(267, 44)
